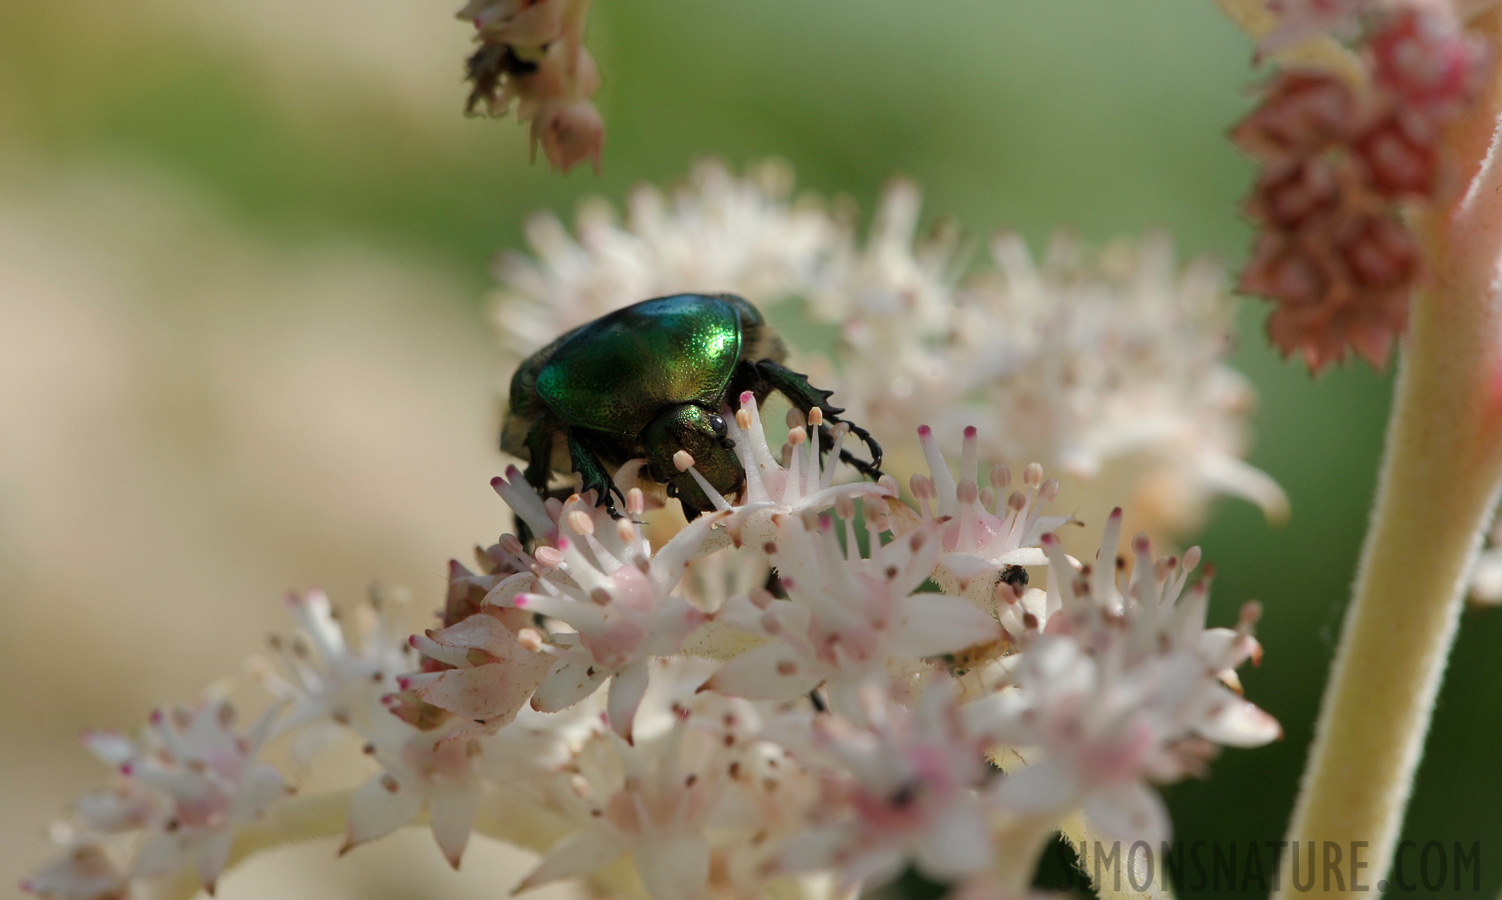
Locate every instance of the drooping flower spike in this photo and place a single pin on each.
(1343, 158)
(532, 59)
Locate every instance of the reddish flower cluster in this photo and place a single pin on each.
(532, 52)
(1338, 164)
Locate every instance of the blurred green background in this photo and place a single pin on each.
(244, 254)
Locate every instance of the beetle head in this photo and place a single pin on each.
(702, 434)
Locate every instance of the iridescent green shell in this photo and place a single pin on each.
(617, 372)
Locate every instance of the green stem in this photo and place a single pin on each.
(1439, 483)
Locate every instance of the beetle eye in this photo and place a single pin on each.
(717, 424)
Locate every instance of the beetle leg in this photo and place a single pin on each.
(771, 375)
(592, 474)
(539, 471)
(539, 456)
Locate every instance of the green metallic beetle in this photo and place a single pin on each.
(649, 380)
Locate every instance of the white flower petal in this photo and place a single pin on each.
(931, 624)
(626, 691)
(772, 671)
(578, 854)
(492, 692)
(379, 806)
(569, 682)
(213, 856)
(1128, 813)
(453, 816)
(674, 868)
(1042, 787)
(1236, 722)
(959, 844)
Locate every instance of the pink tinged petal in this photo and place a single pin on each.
(1043, 525)
(672, 559)
(958, 844)
(111, 747)
(873, 866)
(576, 855)
(674, 868)
(569, 682)
(1042, 787)
(816, 848)
(772, 671)
(1237, 723)
(924, 547)
(85, 873)
(626, 691)
(846, 698)
(213, 857)
(485, 632)
(966, 566)
(1128, 812)
(740, 613)
(261, 787)
(1227, 647)
(453, 817)
(162, 855)
(523, 500)
(493, 692)
(582, 616)
(1023, 556)
(379, 807)
(676, 620)
(931, 624)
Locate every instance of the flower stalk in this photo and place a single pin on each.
(1439, 484)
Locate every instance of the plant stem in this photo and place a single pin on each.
(1439, 484)
(1116, 874)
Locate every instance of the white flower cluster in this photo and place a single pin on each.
(1107, 366)
(816, 730)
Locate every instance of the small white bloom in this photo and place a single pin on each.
(800, 482)
(618, 602)
(714, 232)
(652, 800)
(419, 770)
(982, 546)
(1106, 366)
(86, 871)
(488, 676)
(908, 781)
(208, 780)
(1124, 685)
(847, 619)
(333, 674)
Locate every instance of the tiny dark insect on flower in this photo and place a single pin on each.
(650, 380)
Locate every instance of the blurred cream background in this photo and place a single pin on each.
(196, 416)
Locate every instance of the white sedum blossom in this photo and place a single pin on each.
(792, 709)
